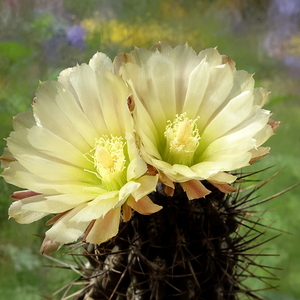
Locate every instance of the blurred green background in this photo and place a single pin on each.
(39, 38)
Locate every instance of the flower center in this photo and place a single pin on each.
(182, 138)
(109, 161)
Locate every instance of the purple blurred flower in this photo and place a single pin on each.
(75, 36)
(293, 65)
(287, 7)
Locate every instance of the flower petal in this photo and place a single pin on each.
(6, 158)
(66, 231)
(224, 188)
(147, 185)
(104, 228)
(57, 203)
(194, 189)
(222, 177)
(24, 120)
(144, 205)
(58, 121)
(96, 209)
(100, 63)
(258, 153)
(129, 188)
(24, 216)
(126, 212)
(48, 145)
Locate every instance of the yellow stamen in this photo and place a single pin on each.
(182, 139)
(109, 159)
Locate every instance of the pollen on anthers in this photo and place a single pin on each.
(182, 137)
(109, 161)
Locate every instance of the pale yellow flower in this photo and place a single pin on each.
(76, 156)
(196, 116)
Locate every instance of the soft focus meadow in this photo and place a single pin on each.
(39, 38)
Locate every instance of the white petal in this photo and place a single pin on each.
(146, 90)
(240, 140)
(48, 114)
(107, 117)
(57, 203)
(136, 168)
(70, 106)
(24, 120)
(54, 170)
(260, 96)
(48, 206)
(222, 178)
(24, 216)
(95, 209)
(215, 95)
(234, 113)
(263, 135)
(147, 185)
(39, 141)
(221, 163)
(197, 85)
(128, 189)
(211, 55)
(185, 171)
(16, 174)
(115, 111)
(177, 174)
(100, 62)
(150, 139)
(242, 81)
(66, 231)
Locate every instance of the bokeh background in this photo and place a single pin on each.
(39, 38)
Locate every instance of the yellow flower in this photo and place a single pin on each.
(76, 156)
(196, 116)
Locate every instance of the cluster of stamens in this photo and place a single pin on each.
(182, 140)
(109, 161)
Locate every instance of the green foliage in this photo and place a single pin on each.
(13, 52)
(82, 9)
(43, 26)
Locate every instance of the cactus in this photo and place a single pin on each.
(191, 249)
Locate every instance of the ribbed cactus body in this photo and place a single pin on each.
(190, 250)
